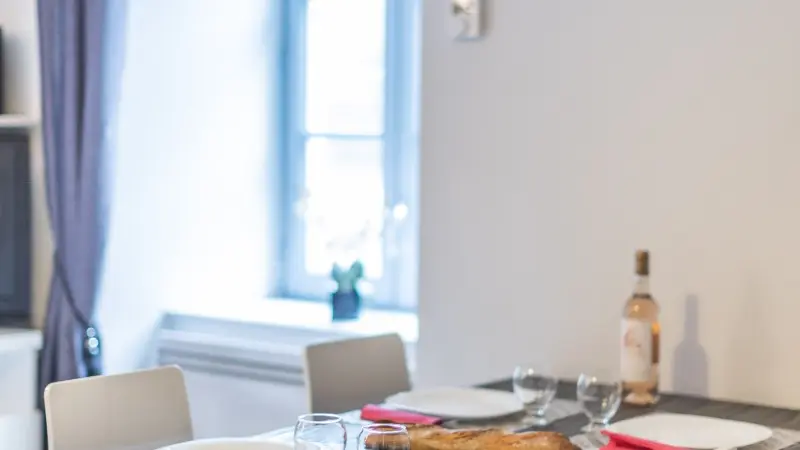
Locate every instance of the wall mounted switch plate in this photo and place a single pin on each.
(468, 18)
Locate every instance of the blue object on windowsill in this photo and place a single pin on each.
(345, 305)
(346, 302)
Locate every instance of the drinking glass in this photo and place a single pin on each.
(599, 398)
(384, 436)
(536, 390)
(319, 431)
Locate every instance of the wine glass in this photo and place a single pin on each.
(536, 390)
(599, 398)
(384, 436)
(320, 431)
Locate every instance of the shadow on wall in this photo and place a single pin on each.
(690, 368)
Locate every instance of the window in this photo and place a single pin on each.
(350, 89)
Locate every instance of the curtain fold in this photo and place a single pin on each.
(81, 55)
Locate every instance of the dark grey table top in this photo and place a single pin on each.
(571, 426)
(762, 415)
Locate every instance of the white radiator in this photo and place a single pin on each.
(234, 388)
(243, 378)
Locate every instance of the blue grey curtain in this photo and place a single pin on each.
(81, 54)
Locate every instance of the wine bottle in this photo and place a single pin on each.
(640, 339)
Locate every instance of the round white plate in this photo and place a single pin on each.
(457, 403)
(228, 444)
(696, 432)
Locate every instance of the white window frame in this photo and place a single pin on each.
(397, 288)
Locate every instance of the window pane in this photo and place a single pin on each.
(346, 41)
(344, 207)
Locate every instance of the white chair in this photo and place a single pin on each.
(347, 374)
(145, 409)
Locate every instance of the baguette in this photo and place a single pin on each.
(437, 438)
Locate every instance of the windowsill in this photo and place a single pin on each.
(303, 315)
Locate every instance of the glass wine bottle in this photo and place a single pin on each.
(640, 337)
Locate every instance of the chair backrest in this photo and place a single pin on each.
(347, 374)
(148, 407)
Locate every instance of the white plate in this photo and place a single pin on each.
(697, 432)
(457, 403)
(228, 444)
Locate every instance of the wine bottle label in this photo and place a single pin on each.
(637, 350)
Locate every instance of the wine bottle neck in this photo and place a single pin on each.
(641, 286)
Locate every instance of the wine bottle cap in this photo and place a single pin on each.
(642, 262)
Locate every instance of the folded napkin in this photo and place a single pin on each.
(375, 413)
(618, 441)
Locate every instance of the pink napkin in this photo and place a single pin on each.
(618, 441)
(375, 413)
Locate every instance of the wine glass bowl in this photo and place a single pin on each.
(384, 436)
(599, 398)
(320, 431)
(536, 390)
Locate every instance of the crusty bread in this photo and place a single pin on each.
(437, 438)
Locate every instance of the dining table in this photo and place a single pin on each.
(784, 422)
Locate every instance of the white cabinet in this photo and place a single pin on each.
(20, 422)
(22, 431)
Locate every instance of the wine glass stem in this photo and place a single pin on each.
(535, 416)
(595, 430)
(597, 424)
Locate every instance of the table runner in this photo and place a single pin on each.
(557, 410)
(781, 439)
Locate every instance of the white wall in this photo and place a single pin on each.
(576, 132)
(189, 213)
(22, 92)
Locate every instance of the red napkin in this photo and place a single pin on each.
(375, 413)
(618, 441)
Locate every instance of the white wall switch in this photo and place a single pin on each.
(468, 18)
